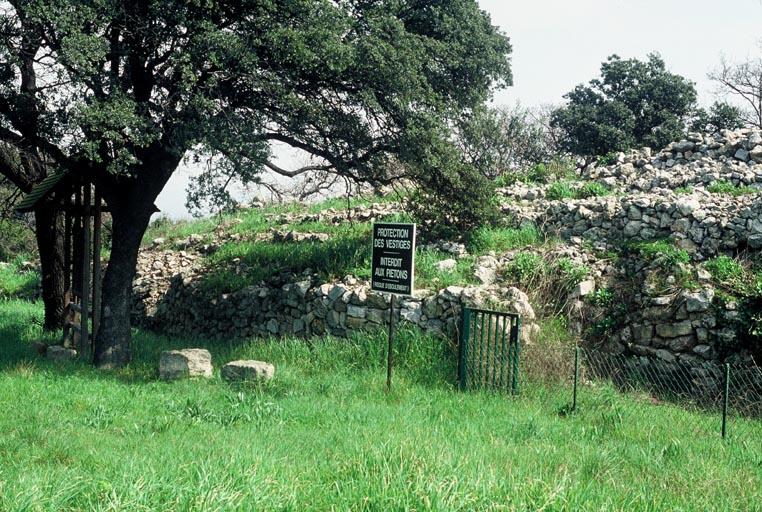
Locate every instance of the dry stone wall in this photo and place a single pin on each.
(658, 319)
(176, 303)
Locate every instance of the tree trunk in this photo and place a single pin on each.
(112, 344)
(49, 230)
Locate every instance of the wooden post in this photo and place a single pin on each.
(84, 332)
(76, 246)
(97, 263)
(67, 251)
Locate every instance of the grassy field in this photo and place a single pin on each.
(324, 435)
(345, 252)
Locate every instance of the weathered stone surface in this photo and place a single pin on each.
(699, 301)
(584, 288)
(247, 370)
(59, 353)
(189, 362)
(446, 265)
(674, 330)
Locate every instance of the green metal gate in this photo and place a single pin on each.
(488, 350)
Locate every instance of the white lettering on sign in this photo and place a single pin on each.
(393, 232)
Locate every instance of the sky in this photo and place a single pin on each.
(558, 44)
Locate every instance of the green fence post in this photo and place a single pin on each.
(465, 332)
(725, 399)
(515, 339)
(576, 378)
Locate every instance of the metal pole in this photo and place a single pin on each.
(465, 332)
(576, 378)
(390, 349)
(516, 350)
(725, 397)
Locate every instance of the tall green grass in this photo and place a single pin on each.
(325, 435)
(17, 284)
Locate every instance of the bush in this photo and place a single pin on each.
(495, 239)
(725, 269)
(17, 238)
(727, 187)
(560, 190)
(592, 189)
(524, 266)
(664, 250)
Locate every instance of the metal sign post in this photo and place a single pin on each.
(392, 271)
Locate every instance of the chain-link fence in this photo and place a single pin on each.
(675, 398)
(704, 399)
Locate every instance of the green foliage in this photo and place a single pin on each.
(427, 275)
(560, 190)
(592, 189)
(17, 284)
(524, 266)
(571, 273)
(633, 104)
(207, 445)
(345, 253)
(726, 270)
(454, 203)
(688, 189)
(501, 140)
(607, 159)
(602, 298)
(565, 190)
(488, 238)
(727, 187)
(17, 238)
(721, 116)
(664, 250)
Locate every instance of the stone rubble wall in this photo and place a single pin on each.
(663, 323)
(702, 223)
(179, 305)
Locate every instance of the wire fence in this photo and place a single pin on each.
(706, 399)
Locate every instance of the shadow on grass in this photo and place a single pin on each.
(420, 359)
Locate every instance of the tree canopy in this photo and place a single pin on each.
(124, 90)
(633, 103)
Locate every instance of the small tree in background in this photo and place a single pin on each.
(634, 103)
(720, 116)
(742, 80)
(506, 139)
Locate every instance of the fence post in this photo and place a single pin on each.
(576, 378)
(465, 332)
(516, 340)
(725, 398)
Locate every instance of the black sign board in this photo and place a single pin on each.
(393, 262)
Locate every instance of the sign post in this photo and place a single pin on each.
(392, 271)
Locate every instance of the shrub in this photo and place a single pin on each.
(607, 159)
(602, 297)
(17, 238)
(727, 187)
(497, 239)
(664, 250)
(560, 190)
(725, 269)
(592, 189)
(684, 190)
(524, 266)
(571, 273)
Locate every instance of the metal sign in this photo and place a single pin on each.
(393, 261)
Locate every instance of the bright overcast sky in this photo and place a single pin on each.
(558, 44)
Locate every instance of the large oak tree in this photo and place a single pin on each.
(124, 90)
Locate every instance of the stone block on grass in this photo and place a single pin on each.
(248, 371)
(189, 362)
(59, 353)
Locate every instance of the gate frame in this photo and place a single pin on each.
(514, 346)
